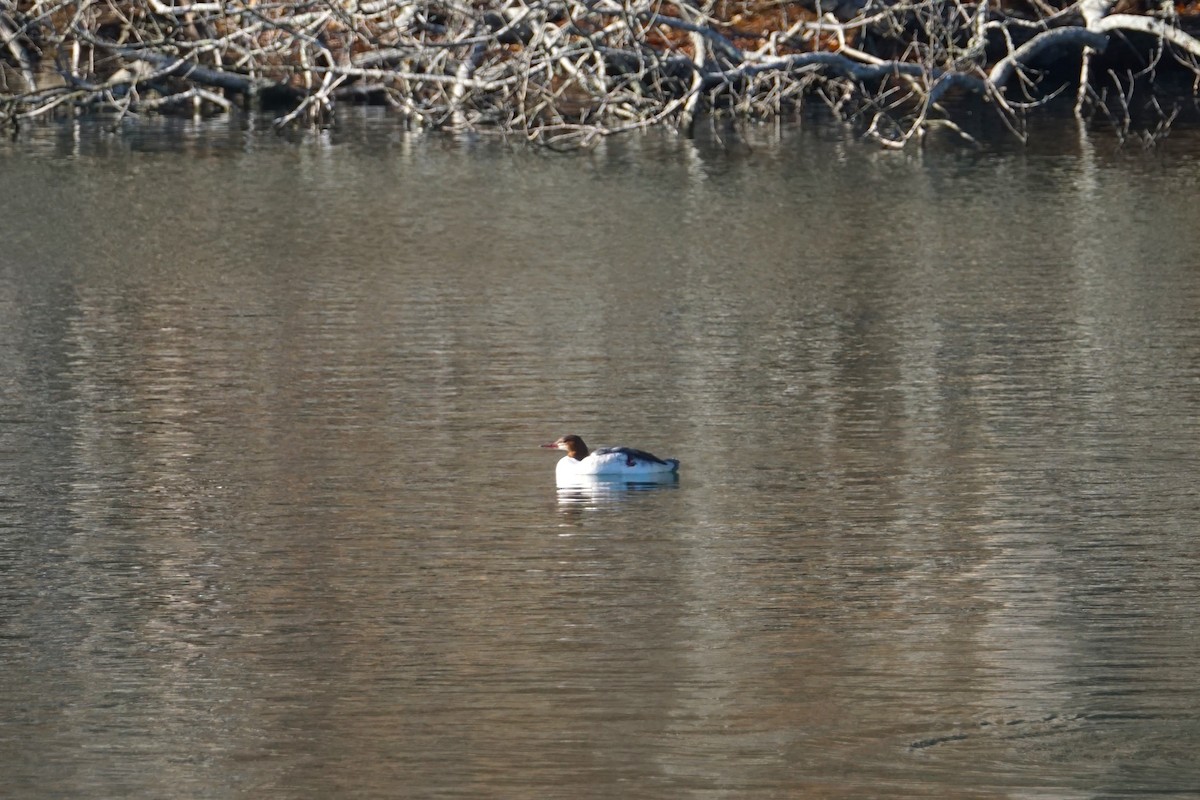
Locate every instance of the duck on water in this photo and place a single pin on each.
(610, 463)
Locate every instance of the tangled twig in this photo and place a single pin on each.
(557, 71)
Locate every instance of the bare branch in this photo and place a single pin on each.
(569, 72)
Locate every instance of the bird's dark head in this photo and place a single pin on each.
(574, 446)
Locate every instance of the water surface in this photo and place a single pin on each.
(274, 522)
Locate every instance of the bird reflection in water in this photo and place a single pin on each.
(595, 492)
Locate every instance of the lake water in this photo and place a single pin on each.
(274, 521)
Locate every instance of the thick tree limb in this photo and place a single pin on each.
(1150, 25)
(176, 67)
(9, 36)
(1002, 72)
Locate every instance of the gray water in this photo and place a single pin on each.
(274, 521)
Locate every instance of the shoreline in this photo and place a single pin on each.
(569, 73)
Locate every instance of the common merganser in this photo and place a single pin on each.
(619, 463)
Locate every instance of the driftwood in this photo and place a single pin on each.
(571, 71)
